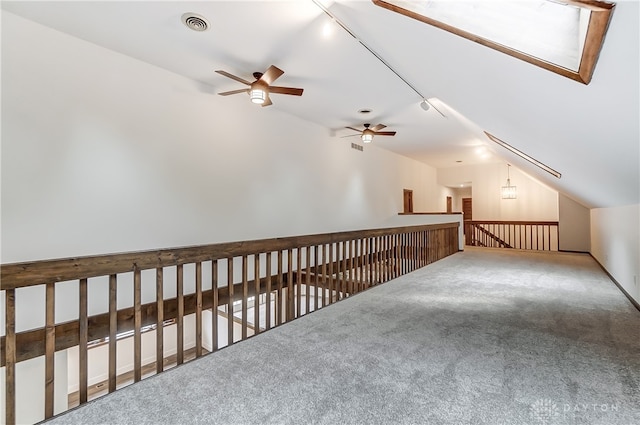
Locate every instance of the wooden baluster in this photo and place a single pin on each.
(410, 247)
(50, 349)
(351, 280)
(378, 261)
(268, 292)
(159, 319)
(372, 261)
(279, 296)
(387, 257)
(298, 282)
(10, 356)
(290, 287)
(406, 253)
(367, 262)
(343, 270)
(382, 260)
(399, 254)
(113, 330)
(392, 257)
(230, 301)
(424, 250)
(324, 274)
(427, 247)
(361, 269)
(180, 316)
(307, 281)
(416, 250)
(330, 265)
(245, 296)
(137, 325)
(409, 252)
(316, 281)
(198, 309)
(214, 305)
(256, 297)
(83, 340)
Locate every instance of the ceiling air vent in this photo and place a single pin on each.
(357, 147)
(195, 22)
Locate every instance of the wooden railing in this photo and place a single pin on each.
(530, 235)
(279, 279)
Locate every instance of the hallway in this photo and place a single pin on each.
(483, 336)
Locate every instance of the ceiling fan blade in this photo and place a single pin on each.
(233, 77)
(227, 93)
(378, 127)
(267, 101)
(286, 90)
(385, 133)
(350, 135)
(271, 74)
(355, 129)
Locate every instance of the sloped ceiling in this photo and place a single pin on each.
(590, 133)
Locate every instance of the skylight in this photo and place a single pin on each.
(564, 37)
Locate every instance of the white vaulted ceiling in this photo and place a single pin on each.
(590, 133)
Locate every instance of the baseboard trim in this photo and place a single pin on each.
(620, 287)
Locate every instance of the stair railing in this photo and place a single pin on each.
(528, 235)
(261, 284)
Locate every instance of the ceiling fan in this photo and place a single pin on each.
(259, 89)
(367, 133)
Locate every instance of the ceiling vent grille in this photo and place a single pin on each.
(195, 22)
(357, 147)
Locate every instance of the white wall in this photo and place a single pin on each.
(573, 225)
(615, 243)
(102, 153)
(535, 201)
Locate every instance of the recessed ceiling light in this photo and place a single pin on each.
(458, 161)
(365, 111)
(195, 22)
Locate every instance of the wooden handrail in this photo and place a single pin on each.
(20, 275)
(518, 222)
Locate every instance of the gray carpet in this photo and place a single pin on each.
(481, 337)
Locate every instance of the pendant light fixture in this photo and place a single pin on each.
(508, 191)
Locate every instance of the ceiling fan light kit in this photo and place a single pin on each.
(367, 133)
(259, 90)
(257, 95)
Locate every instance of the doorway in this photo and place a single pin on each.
(408, 200)
(467, 216)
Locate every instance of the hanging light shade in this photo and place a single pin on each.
(508, 191)
(367, 136)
